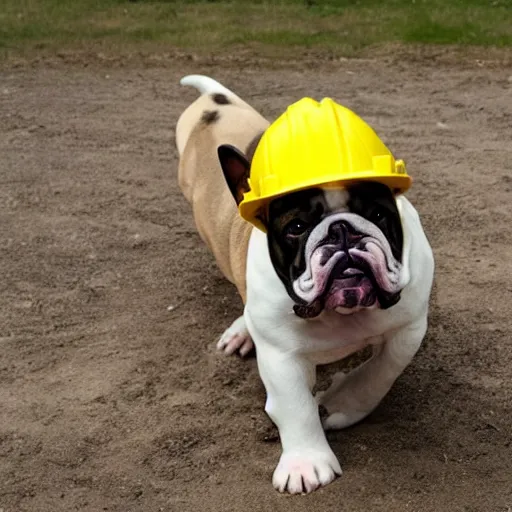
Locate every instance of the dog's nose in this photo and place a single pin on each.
(342, 232)
(338, 231)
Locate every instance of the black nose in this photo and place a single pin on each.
(337, 231)
(343, 233)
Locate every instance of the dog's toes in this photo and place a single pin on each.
(303, 473)
(236, 339)
(247, 346)
(231, 343)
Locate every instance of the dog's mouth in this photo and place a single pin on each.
(348, 289)
(352, 285)
(349, 266)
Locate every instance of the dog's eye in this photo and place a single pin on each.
(378, 215)
(295, 228)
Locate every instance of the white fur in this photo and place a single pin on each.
(289, 348)
(205, 85)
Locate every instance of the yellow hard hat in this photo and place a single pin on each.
(317, 143)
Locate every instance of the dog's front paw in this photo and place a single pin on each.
(304, 472)
(236, 338)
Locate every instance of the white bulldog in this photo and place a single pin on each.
(336, 270)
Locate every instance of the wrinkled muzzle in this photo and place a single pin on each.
(349, 266)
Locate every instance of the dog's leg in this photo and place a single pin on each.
(307, 460)
(236, 337)
(353, 395)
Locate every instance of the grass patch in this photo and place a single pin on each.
(342, 26)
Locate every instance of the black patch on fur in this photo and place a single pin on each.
(210, 116)
(376, 202)
(220, 99)
(287, 256)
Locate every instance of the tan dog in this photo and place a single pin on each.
(336, 270)
(218, 117)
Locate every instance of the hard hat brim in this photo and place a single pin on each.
(250, 208)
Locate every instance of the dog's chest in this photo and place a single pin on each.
(331, 350)
(333, 338)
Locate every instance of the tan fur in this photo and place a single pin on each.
(202, 182)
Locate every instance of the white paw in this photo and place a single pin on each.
(304, 472)
(337, 381)
(236, 338)
(344, 405)
(339, 420)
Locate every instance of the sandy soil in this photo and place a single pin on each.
(112, 397)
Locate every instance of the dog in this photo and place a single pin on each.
(357, 274)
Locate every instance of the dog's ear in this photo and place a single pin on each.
(236, 169)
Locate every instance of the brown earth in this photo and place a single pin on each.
(111, 394)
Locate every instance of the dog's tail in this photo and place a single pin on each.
(220, 96)
(206, 85)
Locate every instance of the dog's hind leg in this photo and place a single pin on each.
(354, 395)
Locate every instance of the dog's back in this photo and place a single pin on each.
(217, 117)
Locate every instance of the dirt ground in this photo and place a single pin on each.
(112, 397)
